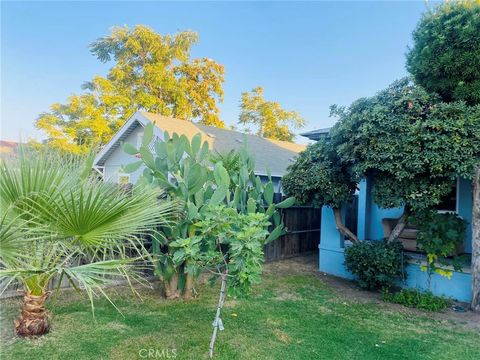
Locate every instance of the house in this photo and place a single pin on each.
(272, 156)
(8, 148)
(367, 220)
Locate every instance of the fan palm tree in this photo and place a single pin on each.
(59, 224)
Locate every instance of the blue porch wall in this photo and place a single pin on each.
(370, 215)
(331, 248)
(458, 287)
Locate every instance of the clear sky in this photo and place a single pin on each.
(306, 55)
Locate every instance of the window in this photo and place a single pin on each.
(449, 201)
(123, 179)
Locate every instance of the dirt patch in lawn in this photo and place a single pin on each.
(348, 290)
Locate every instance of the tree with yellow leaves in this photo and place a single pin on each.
(150, 72)
(269, 117)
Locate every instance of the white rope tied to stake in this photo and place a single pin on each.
(217, 322)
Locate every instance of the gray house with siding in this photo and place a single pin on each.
(270, 155)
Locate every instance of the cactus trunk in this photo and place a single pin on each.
(171, 288)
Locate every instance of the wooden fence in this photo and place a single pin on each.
(303, 236)
(302, 222)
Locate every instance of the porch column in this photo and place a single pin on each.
(464, 207)
(364, 209)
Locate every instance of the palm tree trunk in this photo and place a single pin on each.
(475, 305)
(34, 319)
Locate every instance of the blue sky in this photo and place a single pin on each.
(306, 55)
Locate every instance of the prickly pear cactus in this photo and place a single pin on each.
(249, 194)
(180, 166)
(184, 168)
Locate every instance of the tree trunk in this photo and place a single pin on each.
(34, 319)
(217, 322)
(475, 305)
(402, 222)
(171, 288)
(341, 227)
(188, 293)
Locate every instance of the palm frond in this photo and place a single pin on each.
(15, 237)
(31, 174)
(93, 277)
(99, 214)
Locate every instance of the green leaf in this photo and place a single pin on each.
(286, 203)
(270, 210)
(219, 195)
(87, 169)
(251, 206)
(147, 157)
(195, 178)
(258, 184)
(203, 152)
(268, 193)
(199, 197)
(196, 143)
(132, 167)
(192, 210)
(161, 149)
(277, 218)
(178, 256)
(147, 134)
(275, 234)
(130, 149)
(236, 197)
(221, 175)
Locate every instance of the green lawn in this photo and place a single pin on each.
(291, 316)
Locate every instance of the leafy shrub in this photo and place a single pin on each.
(417, 299)
(440, 235)
(377, 264)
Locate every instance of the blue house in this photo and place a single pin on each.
(369, 225)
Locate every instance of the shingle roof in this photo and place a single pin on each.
(269, 154)
(273, 155)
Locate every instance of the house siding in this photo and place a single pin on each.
(119, 157)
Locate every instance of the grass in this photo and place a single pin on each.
(291, 316)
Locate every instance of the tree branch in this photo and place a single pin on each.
(402, 222)
(341, 227)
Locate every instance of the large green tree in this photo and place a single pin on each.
(270, 119)
(410, 144)
(150, 72)
(445, 59)
(445, 56)
(319, 177)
